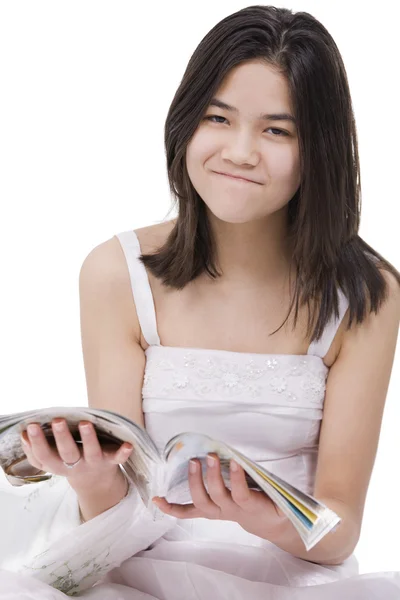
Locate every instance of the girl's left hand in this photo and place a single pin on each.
(252, 509)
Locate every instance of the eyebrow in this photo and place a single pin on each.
(264, 117)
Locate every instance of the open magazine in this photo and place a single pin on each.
(165, 474)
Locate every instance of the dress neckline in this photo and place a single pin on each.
(234, 352)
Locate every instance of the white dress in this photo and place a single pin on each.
(268, 406)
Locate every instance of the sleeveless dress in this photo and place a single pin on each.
(268, 406)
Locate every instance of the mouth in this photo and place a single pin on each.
(238, 179)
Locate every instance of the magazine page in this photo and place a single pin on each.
(311, 518)
(112, 429)
(177, 454)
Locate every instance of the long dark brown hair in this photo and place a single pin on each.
(324, 213)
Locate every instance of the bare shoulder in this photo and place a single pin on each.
(106, 261)
(392, 303)
(104, 273)
(104, 277)
(385, 319)
(105, 268)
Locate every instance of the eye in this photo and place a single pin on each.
(211, 117)
(280, 134)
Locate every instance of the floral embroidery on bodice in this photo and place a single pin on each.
(216, 374)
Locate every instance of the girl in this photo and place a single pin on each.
(257, 316)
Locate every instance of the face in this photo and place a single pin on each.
(240, 142)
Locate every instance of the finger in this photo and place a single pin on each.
(215, 484)
(28, 451)
(200, 497)
(40, 448)
(240, 491)
(180, 511)
(122, 454)
(92, 451)
(66, 445)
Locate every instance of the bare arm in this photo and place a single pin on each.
(354, 404)
(114, 361)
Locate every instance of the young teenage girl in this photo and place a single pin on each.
(258, 316)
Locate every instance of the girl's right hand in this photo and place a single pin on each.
(97, 468)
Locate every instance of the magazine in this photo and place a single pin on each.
(161, 474)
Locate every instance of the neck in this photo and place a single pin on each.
(252, 253)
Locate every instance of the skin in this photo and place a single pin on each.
(253, 510)
(249, 220)
(85, 475)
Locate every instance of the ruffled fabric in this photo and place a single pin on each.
(127, 554)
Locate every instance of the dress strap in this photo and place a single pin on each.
(141, 289)
(321, 346)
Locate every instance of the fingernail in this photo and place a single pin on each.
(33, 430)
(234, 465)
(84, 429)
(59, 426)
(210, 461)
(192, 466)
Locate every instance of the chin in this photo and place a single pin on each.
(238, 220)
(234, 216)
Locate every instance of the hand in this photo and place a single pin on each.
(252, 509)
(97, 468)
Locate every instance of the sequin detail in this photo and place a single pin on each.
(286, 379)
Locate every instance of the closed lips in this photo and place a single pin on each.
(236, 177)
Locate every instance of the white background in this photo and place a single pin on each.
(85, 89)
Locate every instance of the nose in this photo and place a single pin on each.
(241, 150)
